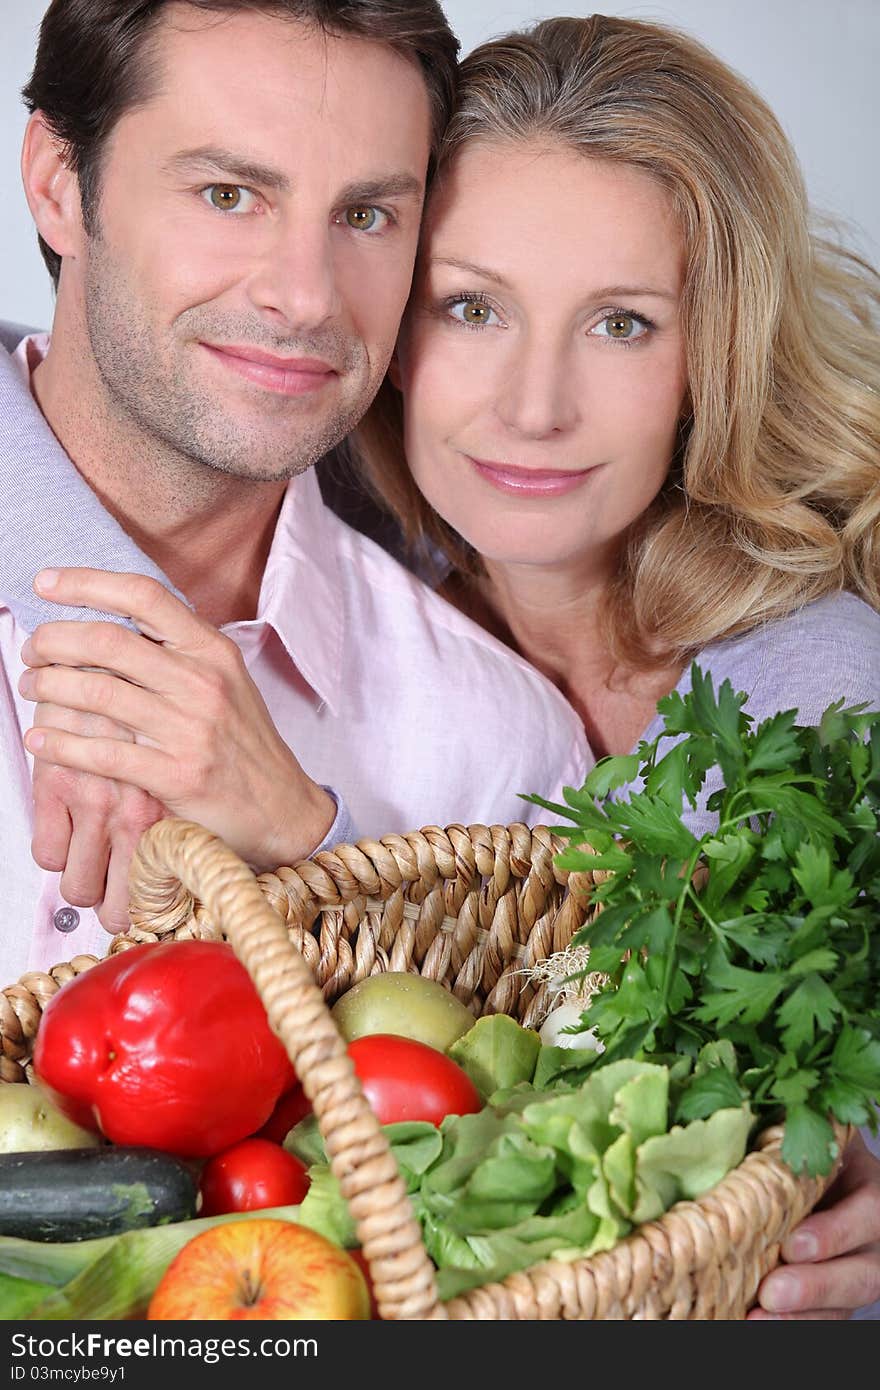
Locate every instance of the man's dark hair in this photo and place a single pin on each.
(90, 67)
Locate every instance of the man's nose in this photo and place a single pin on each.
(538, 393)
(295, 281)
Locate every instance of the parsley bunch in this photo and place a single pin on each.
(776, 949)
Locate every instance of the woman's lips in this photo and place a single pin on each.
(293, 376)
(530, 482)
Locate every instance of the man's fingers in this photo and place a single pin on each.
(50, 841)
(153, 607)
(84, 879)
(848, 1282)
(113, 911)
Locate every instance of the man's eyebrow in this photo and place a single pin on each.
(210, 160)
(370, 190)
(603, 292)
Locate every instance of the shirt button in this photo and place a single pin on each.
(66, 919)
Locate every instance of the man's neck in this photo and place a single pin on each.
(208, 531)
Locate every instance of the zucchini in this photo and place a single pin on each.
(78, 1194)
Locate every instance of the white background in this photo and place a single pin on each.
(815, 61)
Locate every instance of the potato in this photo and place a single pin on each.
(405, 1004)
(29, 1120)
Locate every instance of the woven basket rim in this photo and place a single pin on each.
(651, 1272)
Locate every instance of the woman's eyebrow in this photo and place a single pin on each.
(603, 293)
(627, 291)
(469, 268)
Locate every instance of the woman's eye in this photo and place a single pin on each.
(476, 313)
(620, 326)
(228, 197)
(363, 217)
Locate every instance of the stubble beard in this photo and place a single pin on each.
(151, 392)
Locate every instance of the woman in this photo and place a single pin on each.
(639, 417)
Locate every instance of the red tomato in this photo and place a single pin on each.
(293, 1106)
(407, 1080)
(251, 1175)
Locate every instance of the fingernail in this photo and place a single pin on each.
(34, 740)
(25, 683)
(45, 579)
(780, 1293)
(801, 1245)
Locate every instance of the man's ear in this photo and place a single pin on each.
(51, 189)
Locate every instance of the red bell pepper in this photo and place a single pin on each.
(165, 1045)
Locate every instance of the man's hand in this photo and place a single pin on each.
(205, 745)
(86, 828)
(832, 1259)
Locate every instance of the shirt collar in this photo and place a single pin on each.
(301, 595)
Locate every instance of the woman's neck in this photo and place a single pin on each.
(554, 619)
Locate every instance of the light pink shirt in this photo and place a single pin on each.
(382, 689)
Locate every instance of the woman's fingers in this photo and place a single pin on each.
(845, 1283)
(817, 1315)
(133, 763)
(833, 1257)
(104, 645)
(850, 1224)
(156, 611)
(98, 692)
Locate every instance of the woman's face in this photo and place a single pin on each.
(541, 359)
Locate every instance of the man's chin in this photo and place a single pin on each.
(279, 467)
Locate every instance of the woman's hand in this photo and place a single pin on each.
(204, 743)
(832, 1259)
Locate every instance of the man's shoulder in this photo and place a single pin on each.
(11, 334)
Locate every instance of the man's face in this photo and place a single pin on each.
(253, 243)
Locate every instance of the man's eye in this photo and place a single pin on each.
(363, 217)
(228, 197)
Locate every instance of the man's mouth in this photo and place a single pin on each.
(288, 376)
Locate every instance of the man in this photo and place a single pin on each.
(229, 195)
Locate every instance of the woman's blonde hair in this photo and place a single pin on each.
(773, 498)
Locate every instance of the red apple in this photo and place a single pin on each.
(260, 1270)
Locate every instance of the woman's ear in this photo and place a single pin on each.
(51, 188)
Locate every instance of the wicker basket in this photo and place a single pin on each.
(470, 907)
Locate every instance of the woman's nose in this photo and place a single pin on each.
(538, 394)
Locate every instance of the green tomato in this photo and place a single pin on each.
(404, 1004)
(29, 1121)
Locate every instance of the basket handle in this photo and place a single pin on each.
(403, 1277)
